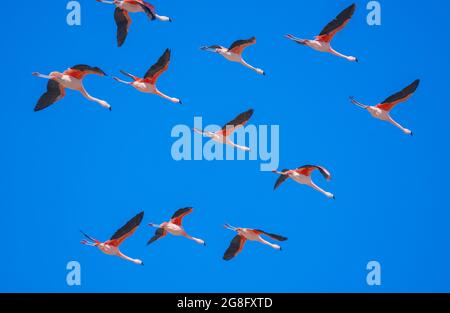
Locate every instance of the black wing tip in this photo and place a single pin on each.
(140, 216)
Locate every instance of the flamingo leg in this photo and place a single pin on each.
(41, 75)
(297, 40)
(357, 103)
(122, 81)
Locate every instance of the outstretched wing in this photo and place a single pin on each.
(281, 179)
(273, 236)
(239, 45)
(158, 68)
(337, 24)
(177, 218)
(238, 122)
(55, 92)
(308, 169)
(123, 22)
(81, 70)
(126, 231)
(399, 97)
(236, 246)
(148, 8)
(160, 233)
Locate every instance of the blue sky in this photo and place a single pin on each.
(78, 166)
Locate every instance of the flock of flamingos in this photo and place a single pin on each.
(72, 79)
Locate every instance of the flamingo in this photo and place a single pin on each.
(382, 110)
(111, 247)
(123, 19)
(244, 234)
(72, 78)
(174, 227)
(302, 175)
(234, 53)
(222, 136)
(148, 83)
(322, 42)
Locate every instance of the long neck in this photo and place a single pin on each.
(340, 54)
(123, 256)
(162, 18)
(91, 98)
(269, 244)
(159, 93)
(248, 65)
(313, 185)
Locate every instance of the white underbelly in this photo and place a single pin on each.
(144, 87)
(249, 235)
(319, 46)
(132, 8)
(380, 114)
(109, 250)
(70, 82)
(233, 57)
(301, 179)
(174, 229)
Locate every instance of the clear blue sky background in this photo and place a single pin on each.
(78, 166)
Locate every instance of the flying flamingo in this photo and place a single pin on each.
(244, 234)
(222, 136)
(302, 175)
(322, 42)
(174, 227)
(381, 111)
(123, 19)
(111, 247)
(148, 83)
(234, 53)
(72, 78)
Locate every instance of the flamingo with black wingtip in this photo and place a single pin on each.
(174, 227)
(322, 42)
(223, 136)
(148, 83)
(111, 247)
(72, 79)
(382, 110)
(244, 234)
(234, 53)
(123, 19)
(302, 175)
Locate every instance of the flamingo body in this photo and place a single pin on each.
(322, 42)
(148, 83)
(302, 175)
(382, 110)
(234, 53)
(174, 227)
(223, 136)
(111, 247)
(71, 79)
(244, 234)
